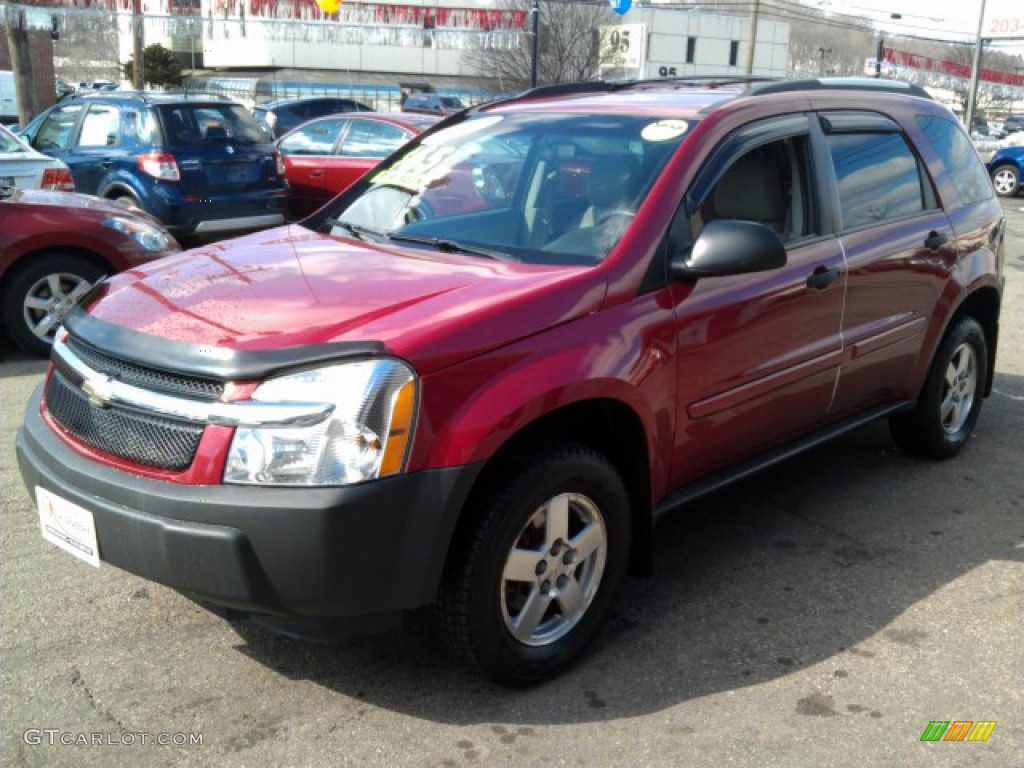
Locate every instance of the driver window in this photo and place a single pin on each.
(768, 184)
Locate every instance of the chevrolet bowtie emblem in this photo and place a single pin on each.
(99, 390)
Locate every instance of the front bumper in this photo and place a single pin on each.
(378, 547)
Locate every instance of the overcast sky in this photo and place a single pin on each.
(954, 19)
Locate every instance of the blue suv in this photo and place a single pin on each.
(199, 163)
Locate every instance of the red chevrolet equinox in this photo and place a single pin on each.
(474, 381)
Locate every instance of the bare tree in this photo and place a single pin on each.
(568, 45)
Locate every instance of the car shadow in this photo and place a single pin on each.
(804, 565)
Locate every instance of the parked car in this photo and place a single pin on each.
(483, 410)
(280, 116)
(1006, 166)
(1013, 124)
(432, 104)
(54, 246)
(23, 167)
(200, 164)
(324, 156)
(64, 88)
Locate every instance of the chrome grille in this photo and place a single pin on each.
(146, 378)
(152, 441)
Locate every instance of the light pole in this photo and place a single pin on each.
(972, 92)
(535, 12)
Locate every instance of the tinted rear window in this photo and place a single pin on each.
(959, 157)
(210, 124)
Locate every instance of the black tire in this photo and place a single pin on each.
(128, 199)
(477, 605)
(72, 273)
(941, 424)
(1006, 180)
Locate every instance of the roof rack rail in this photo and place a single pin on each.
(839, 84)
(714, 81)
(148, 96)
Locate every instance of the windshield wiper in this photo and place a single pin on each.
(448, 246)
(356, 230)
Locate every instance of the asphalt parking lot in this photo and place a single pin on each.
(819, 615)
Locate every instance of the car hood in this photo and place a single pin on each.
(289, 286)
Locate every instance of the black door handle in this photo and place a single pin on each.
(821, 277)
(935, 240)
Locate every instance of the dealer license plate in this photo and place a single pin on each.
(69, 526)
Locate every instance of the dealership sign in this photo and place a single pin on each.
(1003, 19)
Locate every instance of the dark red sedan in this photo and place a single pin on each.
(55, 245)
(324, 156)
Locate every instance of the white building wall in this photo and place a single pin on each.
(669, 30)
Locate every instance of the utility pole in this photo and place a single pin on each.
(535, 11)
(972, 92)
(21, 63)
(878, 57)
(139, 47)
(753, 36)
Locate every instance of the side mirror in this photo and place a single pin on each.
(729, 247)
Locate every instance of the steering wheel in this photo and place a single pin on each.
(620, 214)
(488, 184)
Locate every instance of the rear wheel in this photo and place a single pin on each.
(40, 293)
(530, 586)
(1006, 180)
(128, 199)
(950, 402)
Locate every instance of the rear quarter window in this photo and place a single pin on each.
(959, 158)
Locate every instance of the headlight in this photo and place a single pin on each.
(149, 237)
(365, 437)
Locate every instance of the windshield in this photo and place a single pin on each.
(536, 188)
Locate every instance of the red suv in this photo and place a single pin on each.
(475, 380)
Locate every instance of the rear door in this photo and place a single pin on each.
(307, 153)
(900, 249)
(97, 148)
(363, 145)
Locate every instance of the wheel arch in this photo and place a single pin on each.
(93, 256)
(983, 305)
(609, 427)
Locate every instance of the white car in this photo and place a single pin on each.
(23, 167)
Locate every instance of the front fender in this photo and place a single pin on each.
(624, 354)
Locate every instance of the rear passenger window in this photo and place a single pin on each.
(100, 127)
(371, 139)
(958, 156)
(878, 176)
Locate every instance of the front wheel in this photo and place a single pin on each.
(948, 408)
(40, 293)
(532, 583)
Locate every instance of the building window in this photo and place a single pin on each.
(734, 52)
(691, 49)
